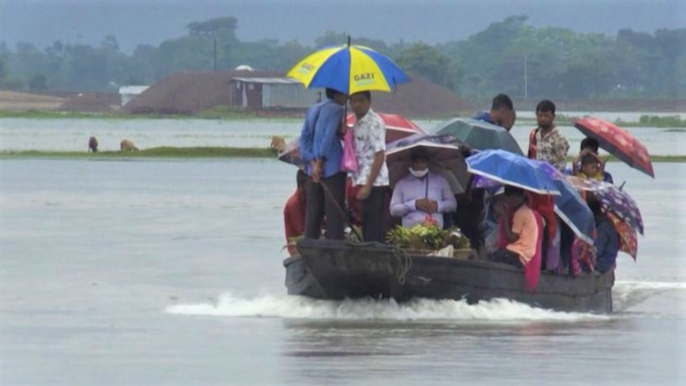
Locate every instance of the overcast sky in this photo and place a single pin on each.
(152, 21)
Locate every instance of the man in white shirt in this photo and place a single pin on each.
(372, 173)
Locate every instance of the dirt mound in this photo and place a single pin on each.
(193, 91)
(420, 99)
(21, 101)
(92, 102)
(189, 92)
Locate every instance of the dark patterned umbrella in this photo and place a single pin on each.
(612, 199)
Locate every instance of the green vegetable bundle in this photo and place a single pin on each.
(426, 237)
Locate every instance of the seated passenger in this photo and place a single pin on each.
(422, 196)
(521, 230)
(591, 168)
(294, 212)
(607, 238)
(590, 146)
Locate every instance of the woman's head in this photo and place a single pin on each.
(589, 165)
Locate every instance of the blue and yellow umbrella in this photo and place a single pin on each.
(348, 69)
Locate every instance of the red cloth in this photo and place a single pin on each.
(544, 204)
(354, 205)
(532, 271)
(531, 154)
(294, 218)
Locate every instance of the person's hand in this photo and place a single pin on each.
(342, 128)
(432, 207)
(364, 193)
(316, 171)
(422, 204)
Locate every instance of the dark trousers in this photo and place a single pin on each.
(468, 217)
(321, 203)
(506, 256)
(373, 225)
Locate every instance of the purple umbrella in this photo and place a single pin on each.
(612, 199)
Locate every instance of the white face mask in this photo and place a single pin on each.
(419, 173)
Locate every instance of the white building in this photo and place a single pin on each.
(129, 92)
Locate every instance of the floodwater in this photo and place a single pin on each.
(73, 134)
(170, 273)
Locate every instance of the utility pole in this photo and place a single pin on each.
(526, 77)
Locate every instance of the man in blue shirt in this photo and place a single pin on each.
(607, 239)
(502, 112)
(321, 151)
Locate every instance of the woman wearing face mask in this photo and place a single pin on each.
(422, 196)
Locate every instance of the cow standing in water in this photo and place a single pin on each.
(93, 144)
(127, 145)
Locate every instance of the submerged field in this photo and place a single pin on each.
(204, 152)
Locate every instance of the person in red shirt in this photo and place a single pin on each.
(294, 212)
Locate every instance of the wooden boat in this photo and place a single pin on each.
(337, 270)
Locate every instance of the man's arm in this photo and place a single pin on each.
(400, 207)
(329, 121)
(379, 159)
(561, 153)
(306, 140)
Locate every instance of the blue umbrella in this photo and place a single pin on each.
(512, 169)
(570, 207)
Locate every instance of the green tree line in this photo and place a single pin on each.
(509, 56)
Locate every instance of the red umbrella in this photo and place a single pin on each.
(397, 127)
(617, 142)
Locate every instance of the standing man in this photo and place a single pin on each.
(502, 113)
(546, 142)
(321, 151)
(372, 173)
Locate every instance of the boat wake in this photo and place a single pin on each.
(297, 307)
(628, 294)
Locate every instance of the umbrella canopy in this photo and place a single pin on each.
(479, 134)
(397, 126)
(613, 200)
(512, 169)
(570, 207)
(348, 69)
(446, 158)
(617, 142)
(628, 240)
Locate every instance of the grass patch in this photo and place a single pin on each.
(216, 113)
(154, 152)
(207, 152)
(673, 121)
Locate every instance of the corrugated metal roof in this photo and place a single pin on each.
(132, 89)
(266, 80)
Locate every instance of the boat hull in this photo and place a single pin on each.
(336, 270)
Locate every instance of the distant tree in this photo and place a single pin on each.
(110, 43)
(38, 82)
(331, 38)
(428, 62)
(221, 27)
